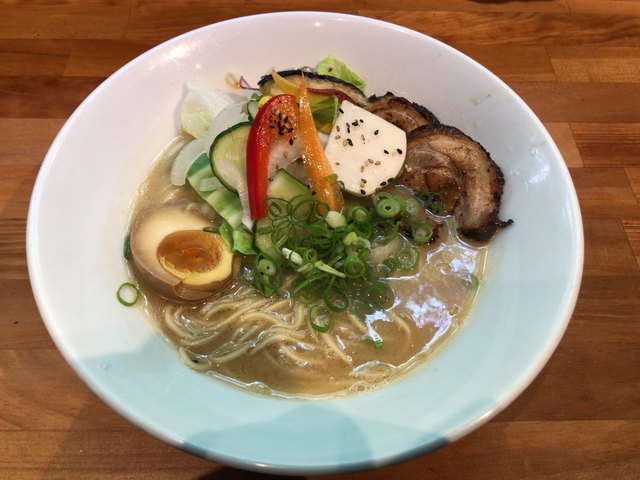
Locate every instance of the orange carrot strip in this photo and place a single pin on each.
(314, 160)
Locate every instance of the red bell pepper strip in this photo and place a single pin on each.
(314, 160)
(276, 121)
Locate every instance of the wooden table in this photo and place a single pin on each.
(575, 62)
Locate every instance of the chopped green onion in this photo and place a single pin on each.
(320, 265)
(128, 294)
(358, 214)
(353, 266)
(322, 256)
(391, 263)
(126, 247)
(335, 299)
(266, 266)
(470, 281)
(407, 258)
(384, 232)
(380, 295)
(412, 206)
(374, 337)
(309, 255)
(434, 201)
(388, 207)
(363, 230)
(364, 253)
(319, 318)
(336, 219)
(382, 195)
(295, 257)
(383, 270)
(421, 232)
(350, 238)
(275, 209)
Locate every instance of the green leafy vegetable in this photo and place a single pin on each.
(330, 65)
(324, 113)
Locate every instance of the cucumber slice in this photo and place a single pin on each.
(285, 186)
(228, 156)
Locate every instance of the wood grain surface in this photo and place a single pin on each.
(575, 62)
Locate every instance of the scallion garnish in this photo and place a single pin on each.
(358, 214)
(421, 232)
(126, 248)
(128, 294)
(434, 201)
(267, 266)
(470, 281)
(319, 318)
(335, 299)
(407, 258)
(388, 207)
(353, 266)
(328, 253)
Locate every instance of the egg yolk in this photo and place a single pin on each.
(189, 251)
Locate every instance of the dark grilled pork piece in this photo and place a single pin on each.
(443, 159)
(401, 112)
(316, 83)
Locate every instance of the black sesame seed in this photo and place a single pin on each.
(354, 123)
(376, 132)
(382, 184)
(390, 180)
(363, 192)
(349, 142)
(386, 151)
(340, 110)
(337, 128)
(399, 151)
(291, 141)
(313, 192)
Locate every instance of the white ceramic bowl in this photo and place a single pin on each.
(79, 212)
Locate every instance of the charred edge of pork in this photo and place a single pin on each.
(318, 81)
(403, 113)
(492, 222)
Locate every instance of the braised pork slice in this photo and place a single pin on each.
(401, 112)
(442, 159)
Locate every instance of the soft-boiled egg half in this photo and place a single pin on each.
(174, 254)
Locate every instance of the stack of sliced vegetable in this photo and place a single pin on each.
(230, 161)
(297, 230)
